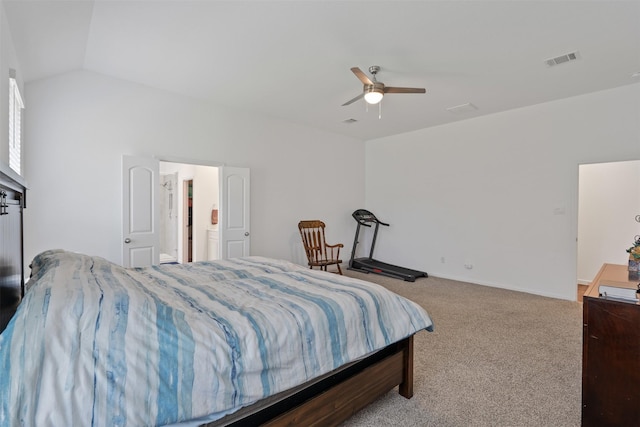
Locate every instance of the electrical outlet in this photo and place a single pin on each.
(468, 266)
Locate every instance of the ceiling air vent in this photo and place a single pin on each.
(562, 59)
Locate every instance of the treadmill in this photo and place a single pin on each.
(370, 265)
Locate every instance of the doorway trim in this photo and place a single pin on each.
(173, 159)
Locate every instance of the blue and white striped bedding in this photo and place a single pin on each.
(93, 343)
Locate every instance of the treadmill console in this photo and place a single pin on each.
(363, 216)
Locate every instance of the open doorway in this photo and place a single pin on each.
(168, 215)
(187, 231)
(226, 186)
(608, 202)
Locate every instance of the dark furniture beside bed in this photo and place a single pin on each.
(12, 201)
(610, 356)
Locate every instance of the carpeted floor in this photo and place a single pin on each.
(496, 358)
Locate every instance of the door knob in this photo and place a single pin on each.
(246, 233)
(127, 240)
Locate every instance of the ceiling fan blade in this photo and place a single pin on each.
(404, 90)
(354, 99)
(361, 76)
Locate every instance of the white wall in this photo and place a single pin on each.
(609, 200)
(79, 124)
(498, 192)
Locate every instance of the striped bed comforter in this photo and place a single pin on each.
(93, 343)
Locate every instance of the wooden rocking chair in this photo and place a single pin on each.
(319, 253)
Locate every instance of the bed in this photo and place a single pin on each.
(247, 341)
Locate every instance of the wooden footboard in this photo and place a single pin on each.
(340, 396)
(406, 386)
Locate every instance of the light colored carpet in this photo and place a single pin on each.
(496, 358)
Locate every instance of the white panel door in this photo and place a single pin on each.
(140, 234)
(235, 238)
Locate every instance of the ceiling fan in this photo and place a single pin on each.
(373, 90)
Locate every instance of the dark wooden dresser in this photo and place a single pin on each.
(610, 356)
(12, 203)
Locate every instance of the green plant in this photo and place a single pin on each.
(634, 250)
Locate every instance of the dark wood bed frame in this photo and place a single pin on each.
(377, 375)
(12, 202)
(327, 402)
(340, 395)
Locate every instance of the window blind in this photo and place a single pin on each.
(15, 126)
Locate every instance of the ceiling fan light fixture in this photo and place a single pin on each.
(373, 93)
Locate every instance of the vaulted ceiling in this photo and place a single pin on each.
(292, 59)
